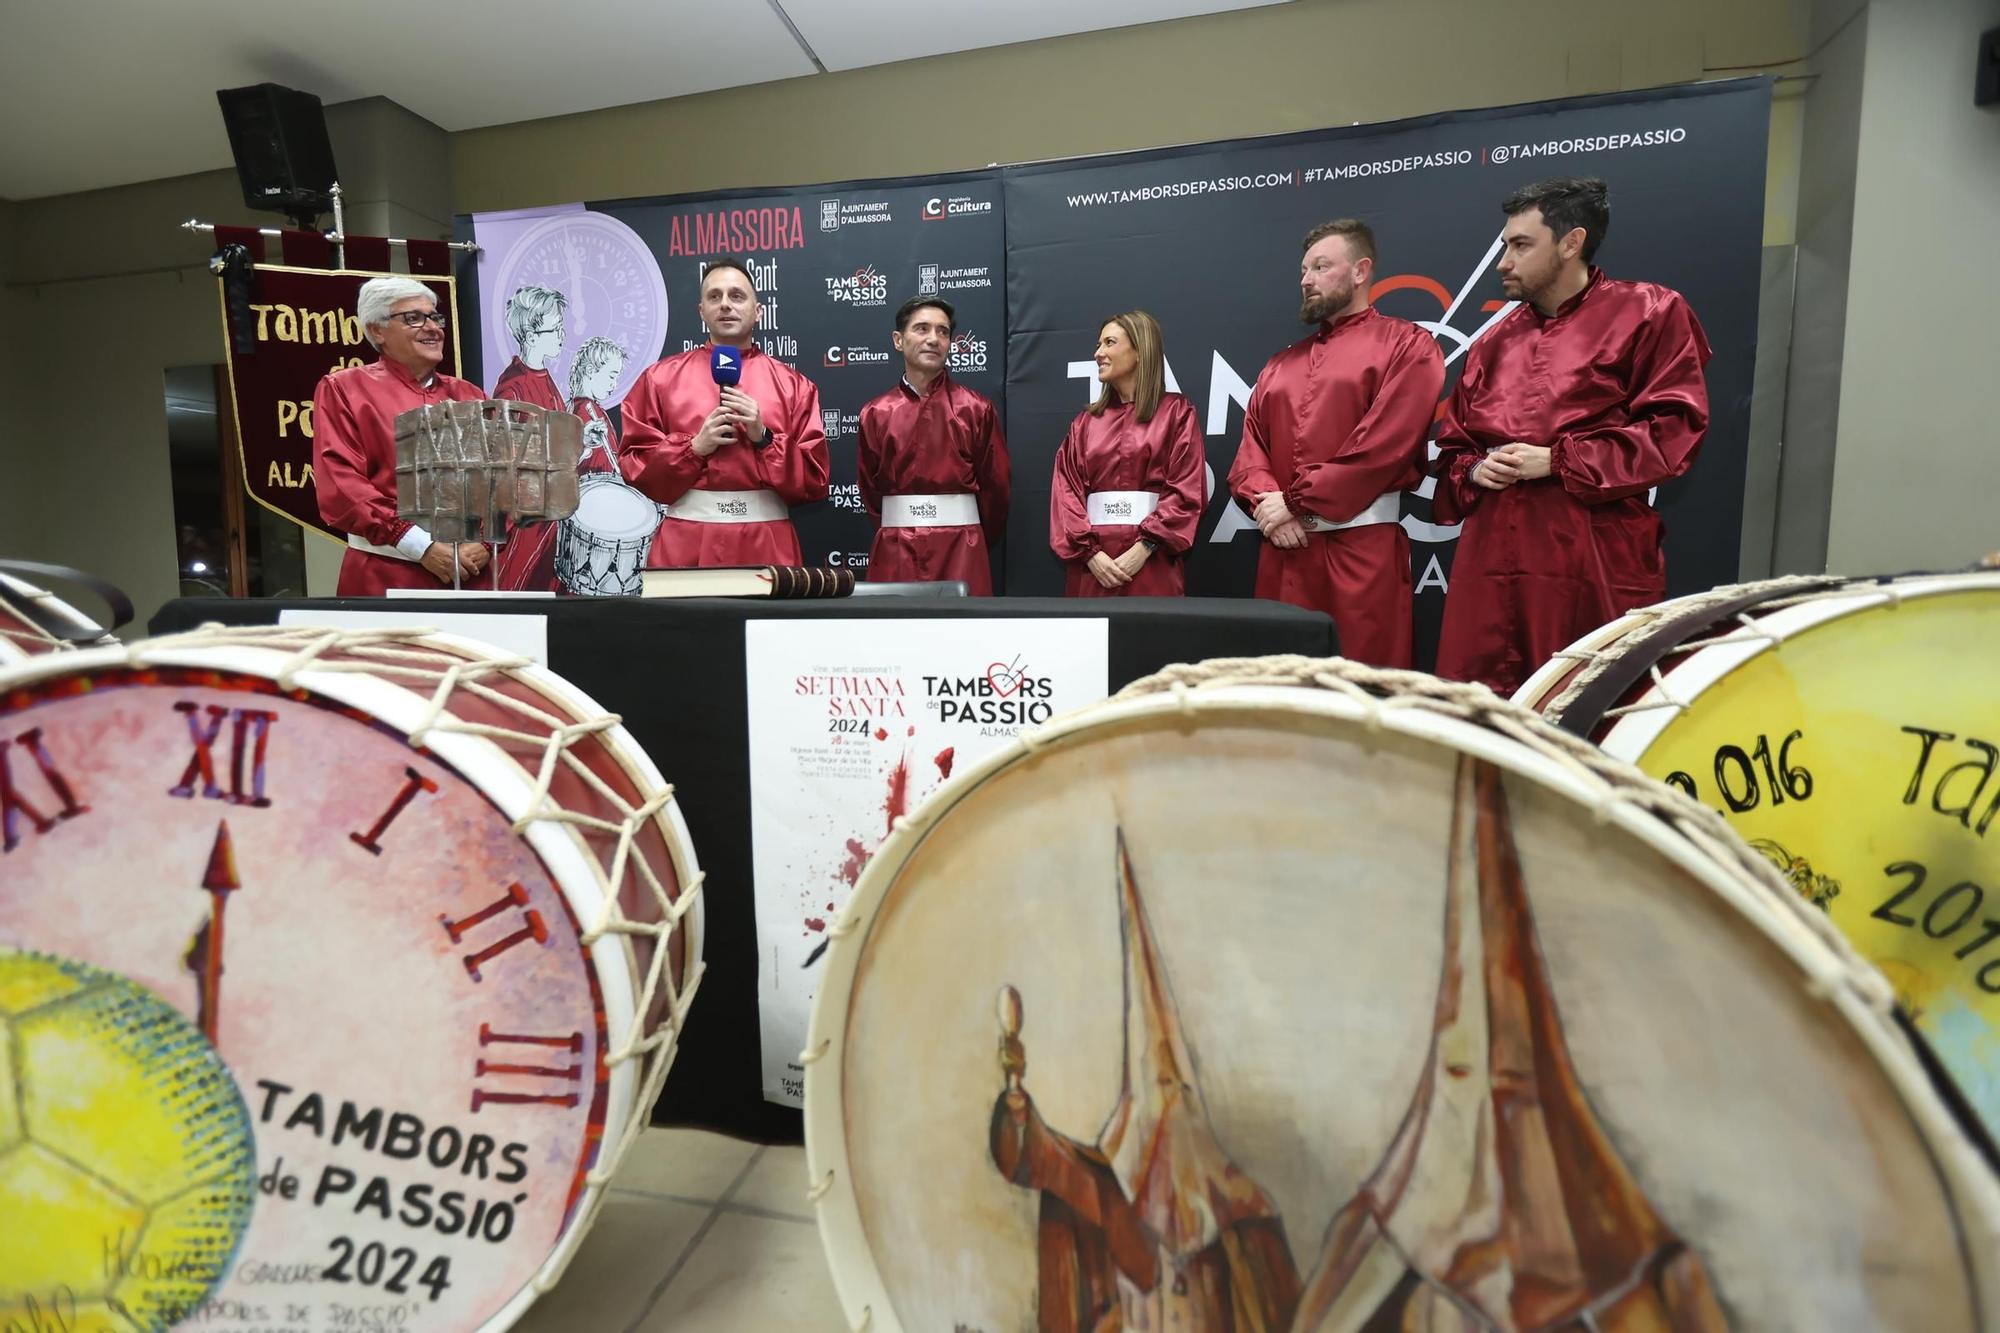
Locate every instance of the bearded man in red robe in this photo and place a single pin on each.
(1570, 411)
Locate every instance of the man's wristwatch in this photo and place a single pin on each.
(1150, 545)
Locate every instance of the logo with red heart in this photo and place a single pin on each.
(1006, 677)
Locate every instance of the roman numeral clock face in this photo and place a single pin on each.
(388, 971)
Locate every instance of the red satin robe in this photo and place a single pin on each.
(945, 441)
(1112, 452)
(662, 414)
(522, 385)
(1336, 421)
(354, 466)
(527, 559)
(1613, 385)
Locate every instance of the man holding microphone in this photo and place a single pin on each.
(726, 438)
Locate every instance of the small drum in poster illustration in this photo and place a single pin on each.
(432, 907)
(602, 547)
(1849, 730)
(1294, 995)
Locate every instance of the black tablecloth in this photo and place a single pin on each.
(674, 670)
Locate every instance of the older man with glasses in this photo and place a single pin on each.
(354, 443)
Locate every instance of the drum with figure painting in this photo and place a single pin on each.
(1279, 994)
(433, 909)
(1849, 730)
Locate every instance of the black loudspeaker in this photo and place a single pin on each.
(1986, 87)
(283, 159)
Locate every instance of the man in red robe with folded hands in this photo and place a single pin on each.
(932, 463)
(354, 443)
(728, 461)
(1569, 411)
(1333, 434)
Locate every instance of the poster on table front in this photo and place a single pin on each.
(852, 724)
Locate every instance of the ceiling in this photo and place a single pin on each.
(99, 93)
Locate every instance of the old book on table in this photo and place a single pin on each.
(747, 581)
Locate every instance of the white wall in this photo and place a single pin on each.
(1916, 475)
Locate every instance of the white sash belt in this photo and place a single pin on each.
(930, 511)
(362, 544)
(1386, 509)
(1116, 509)
(729, 507)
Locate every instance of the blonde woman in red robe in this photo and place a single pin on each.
(1130, 481)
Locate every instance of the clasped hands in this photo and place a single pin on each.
(737, 414)
(1510, 463)
(1277, 522)
(1117, 571)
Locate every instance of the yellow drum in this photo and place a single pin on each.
(1851, 733)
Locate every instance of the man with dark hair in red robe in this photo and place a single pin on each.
(726, 462)
(1333, 434)
(932, 463)
(1569, 412)
(354, 444)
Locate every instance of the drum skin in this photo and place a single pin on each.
(1260, 1006)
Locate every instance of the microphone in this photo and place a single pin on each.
(725, 365)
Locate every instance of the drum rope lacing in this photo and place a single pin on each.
(1614, 784)
(400, 655)
(1746, 627)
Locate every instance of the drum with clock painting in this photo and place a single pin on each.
(435, 910)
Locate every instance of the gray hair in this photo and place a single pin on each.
(529, 306)
(590, 359)
(379, 296)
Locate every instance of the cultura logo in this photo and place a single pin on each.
(955, 206)
(853, 356)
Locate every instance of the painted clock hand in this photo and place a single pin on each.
(204, 955)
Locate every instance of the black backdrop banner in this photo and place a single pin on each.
(831, 264)
(1207, 238)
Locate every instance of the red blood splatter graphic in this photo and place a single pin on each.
(829, 907)
(856, 862)
(813, 923)
(911, 732)
(943, 760)
(898, 801)
(881, 733)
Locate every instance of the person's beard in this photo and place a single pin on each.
(1319, 308)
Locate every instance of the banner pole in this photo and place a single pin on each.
(339, 229)
(336, 237)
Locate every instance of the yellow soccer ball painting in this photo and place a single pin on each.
(127, 1166)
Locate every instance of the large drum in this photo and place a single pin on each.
(602, 547)
(1299, 995)
(34, 620)
(434, 909)
(1849, 729)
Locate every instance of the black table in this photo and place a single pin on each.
(647, 660)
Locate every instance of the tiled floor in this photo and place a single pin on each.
(699, 1234)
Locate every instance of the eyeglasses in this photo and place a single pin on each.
(416, 319)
